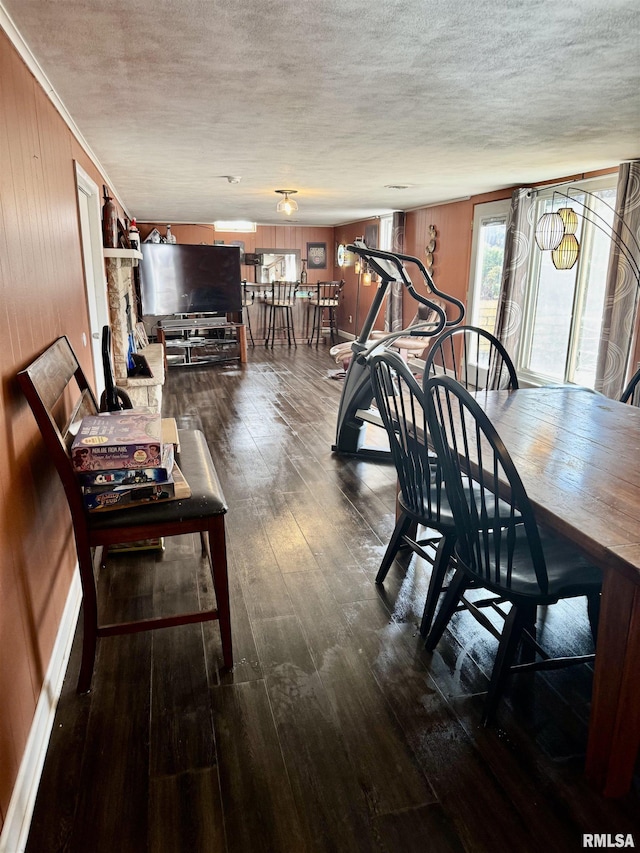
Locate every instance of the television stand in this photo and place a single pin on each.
(228, 343)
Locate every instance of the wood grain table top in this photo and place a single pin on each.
(578, 454)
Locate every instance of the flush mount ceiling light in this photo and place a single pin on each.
(286, 205)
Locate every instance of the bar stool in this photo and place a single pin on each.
(248, 295)
(279, 303)
(327, 296)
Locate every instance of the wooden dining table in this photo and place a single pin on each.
(578, 454)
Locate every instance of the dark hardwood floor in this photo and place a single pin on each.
(335, 731)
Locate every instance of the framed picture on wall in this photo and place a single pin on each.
(317, 256)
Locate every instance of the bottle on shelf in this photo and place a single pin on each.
(109, 221)
(170, 238)
(134, 239)
(134, 235)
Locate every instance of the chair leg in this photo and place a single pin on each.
(399, 532)
(89, 619)
(452, 597)
(593, 611)
(313, 327)
(436, 583)
(518, 619)
(290, 327)
(270, 326)
(248, 313)
(218, 553)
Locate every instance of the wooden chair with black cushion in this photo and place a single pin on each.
(49, 383)
(326, 298)
(474, 357)
(279, 304)
(522, 564)
(631, 393)
(422, 499)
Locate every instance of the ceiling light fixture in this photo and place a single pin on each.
(237, 225)
(286, 205)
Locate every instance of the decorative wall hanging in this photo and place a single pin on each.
(317, 256)
(431, 247)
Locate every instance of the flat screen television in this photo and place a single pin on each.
(183, 279)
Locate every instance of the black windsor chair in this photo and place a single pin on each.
(474, 357)
(631, 393)
(422, 498)
(516, 560)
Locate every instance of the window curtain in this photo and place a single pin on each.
(518, 238)
(621, 299)
(393, 315)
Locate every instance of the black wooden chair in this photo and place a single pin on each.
(49, 384)
(422, 498)
(474, 357)
(279, 302)
(326, 298)
(516, 560)
(631, 393)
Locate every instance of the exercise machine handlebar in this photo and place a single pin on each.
(390, 267)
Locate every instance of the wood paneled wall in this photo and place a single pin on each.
(42, 295)
(356, 298)
(266, 236)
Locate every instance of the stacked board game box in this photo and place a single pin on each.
(121, 461)
(112, 440)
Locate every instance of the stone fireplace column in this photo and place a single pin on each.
(120, 293)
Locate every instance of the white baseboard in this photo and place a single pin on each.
(18, 820)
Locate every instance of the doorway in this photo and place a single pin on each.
(95, 280)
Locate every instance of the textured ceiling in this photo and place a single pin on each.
(337, 98)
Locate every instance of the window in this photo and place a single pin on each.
(385, 239)
(487, 257)
(563, 312)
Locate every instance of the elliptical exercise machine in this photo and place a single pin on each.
(355, 411)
